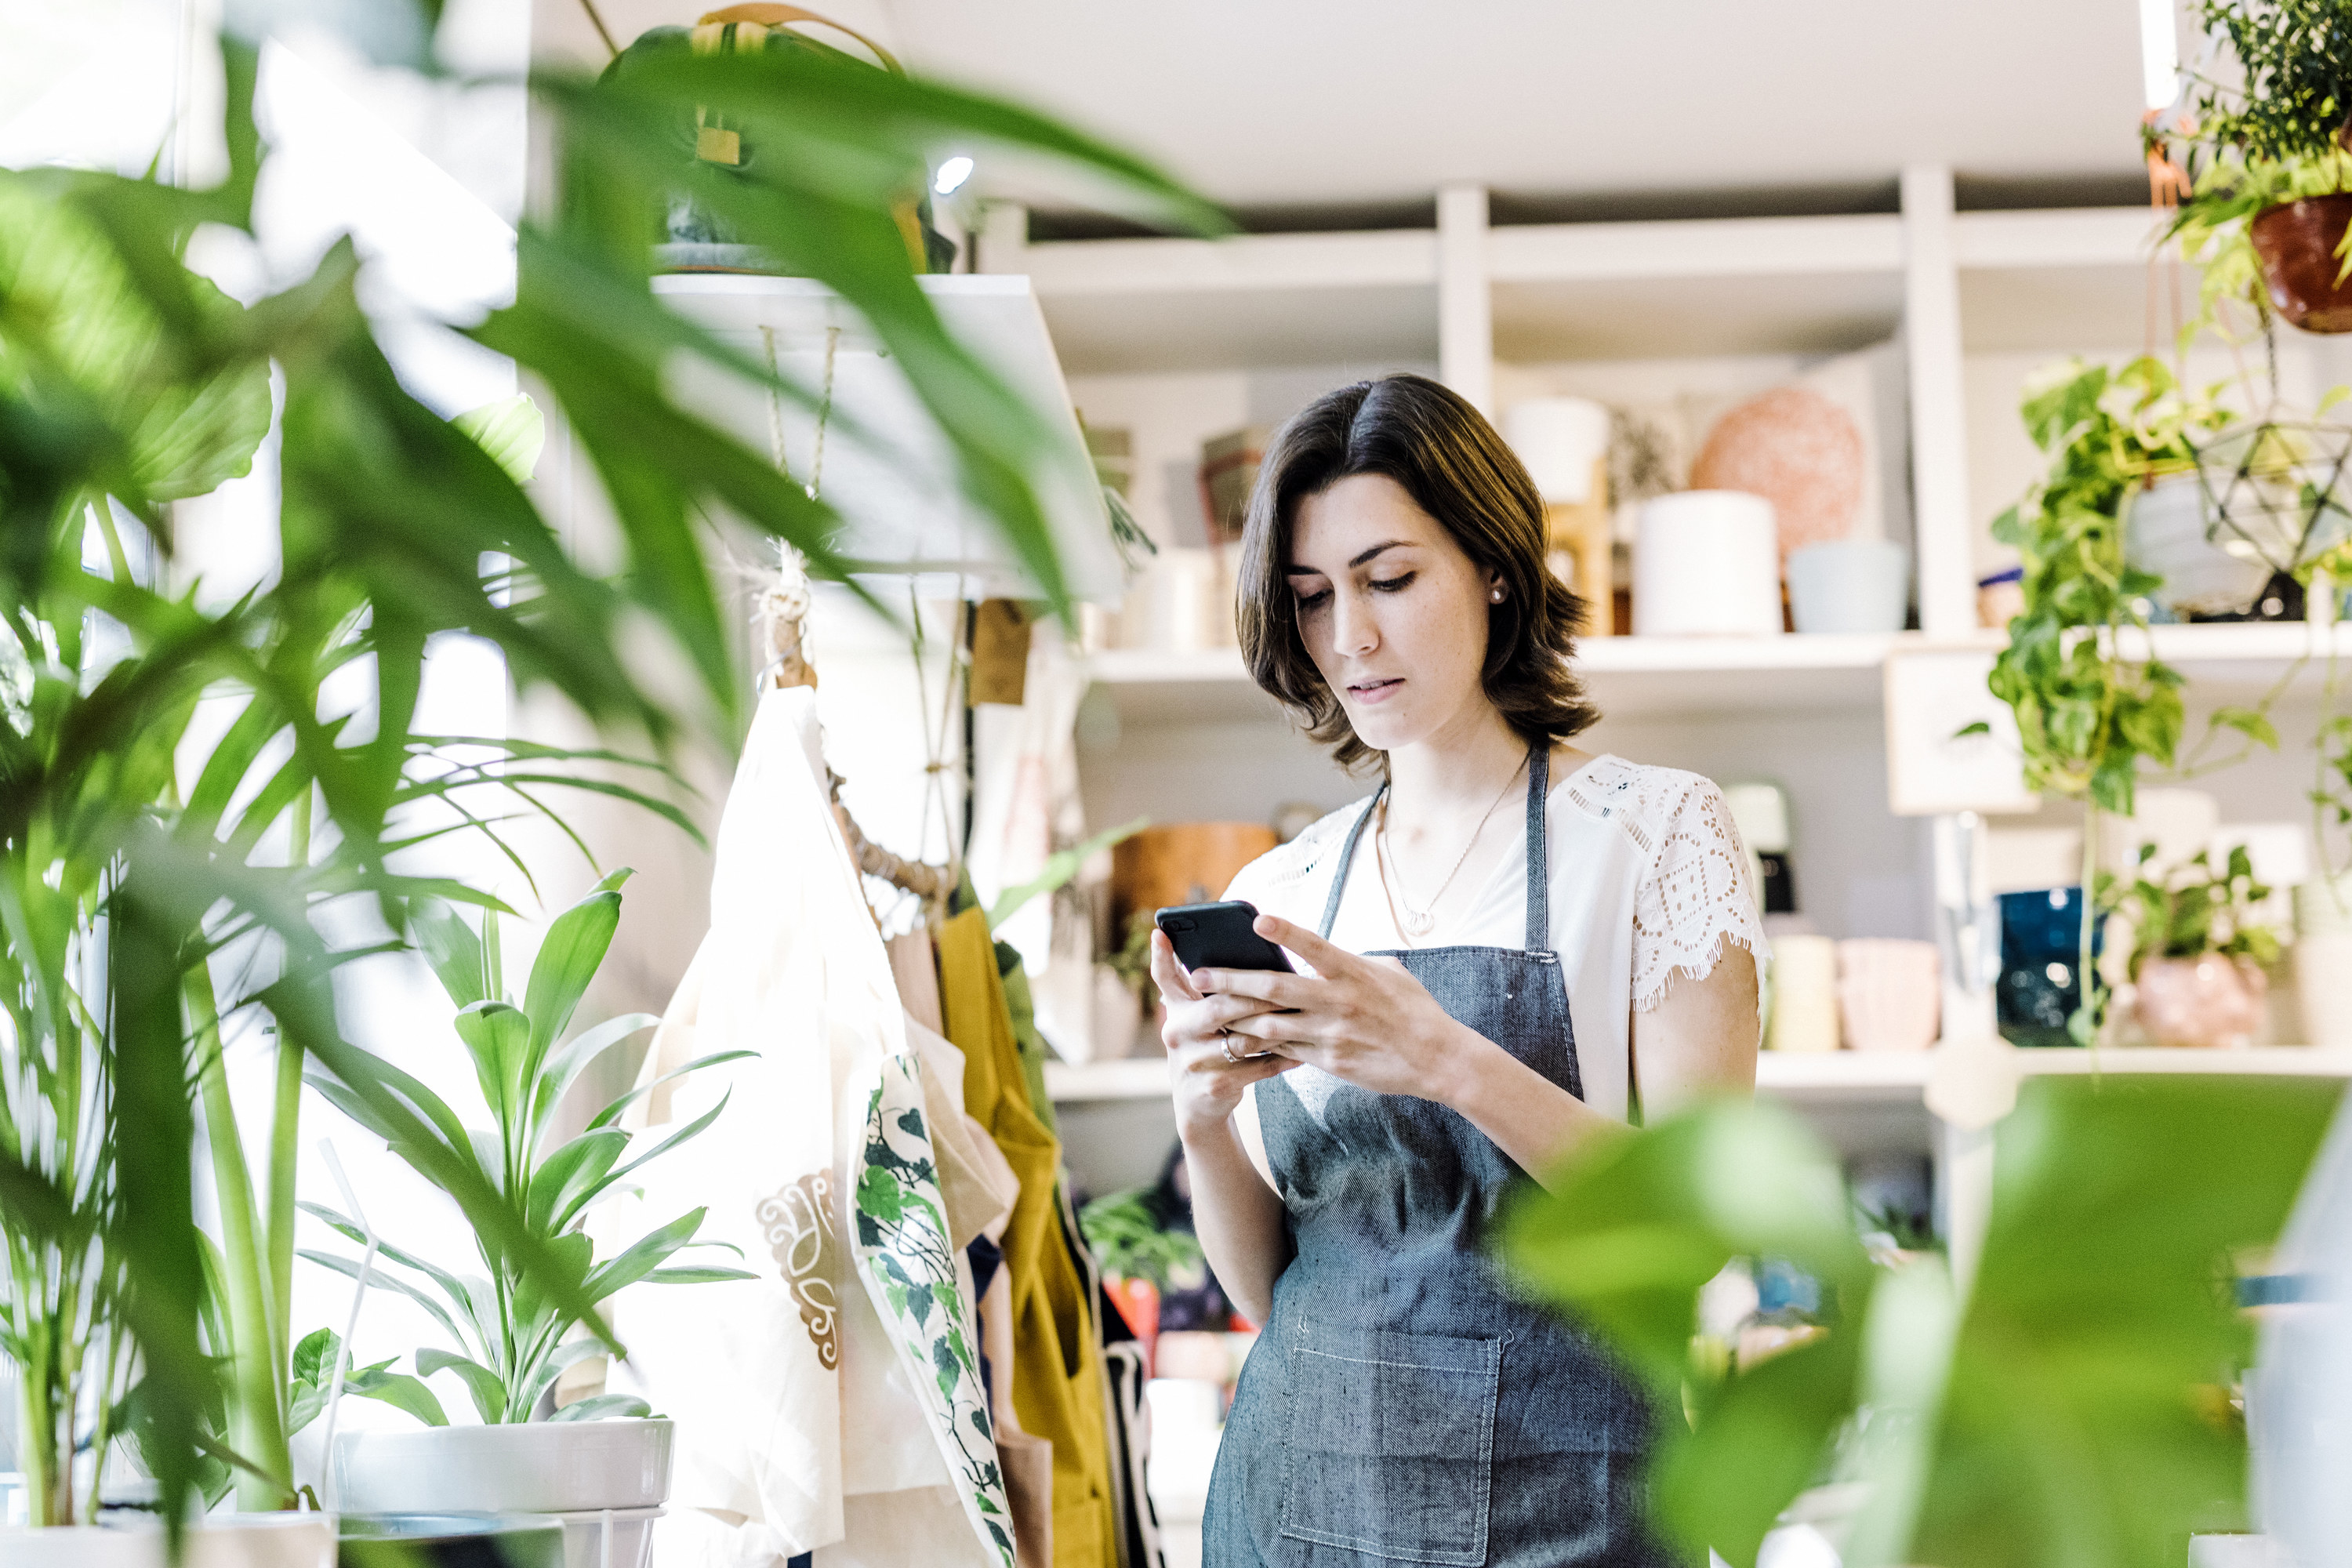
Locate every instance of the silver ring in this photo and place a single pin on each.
(1225, 1044)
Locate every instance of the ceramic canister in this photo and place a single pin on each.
(2322, 957)
(1560, 440)
(1804, 994)
(1850, 586)
(1890, 992)
(1706, 562)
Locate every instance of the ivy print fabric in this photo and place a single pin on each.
(912, 1269)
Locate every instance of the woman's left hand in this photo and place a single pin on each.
(1364, 1020)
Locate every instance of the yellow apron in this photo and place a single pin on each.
(1058, 1375)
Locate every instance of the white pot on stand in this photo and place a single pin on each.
(607, 1480)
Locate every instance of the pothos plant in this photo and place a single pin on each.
(507, 1332)
(2271, 131)
(2094, 704)
(2193, 910)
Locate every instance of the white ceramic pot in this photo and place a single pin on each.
(1850, 586)
(1706, 562)
(2322, 960)
(1118, 1015)
(1560, 440)
(2164, 533)
(579, 1470)
(78, 1546)
(539, 1467)
(226, 1540)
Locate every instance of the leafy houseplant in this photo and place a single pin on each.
(2092, 707)
(151, 914)
(1131, 1239)
(2065, 1406)
(2197, 956)
(507, 1331)
(2270, 176)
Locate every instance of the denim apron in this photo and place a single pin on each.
(1400, 1404)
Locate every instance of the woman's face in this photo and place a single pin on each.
(1391, 611)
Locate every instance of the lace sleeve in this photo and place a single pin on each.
(1695, 898)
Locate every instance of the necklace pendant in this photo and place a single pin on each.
(1416, 924)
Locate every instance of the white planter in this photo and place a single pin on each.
(575, 1469)
(233, 1541)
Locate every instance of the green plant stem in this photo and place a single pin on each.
(2086, 971)
(44, 1454)
(285, 1136)
(110, 1405)
(257, 1427)
(2322, 796)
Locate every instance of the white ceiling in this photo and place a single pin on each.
(1307, 101)
(1316, 101)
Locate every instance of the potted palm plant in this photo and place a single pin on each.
(509, 1338)
(2265, 148)
(156, 896)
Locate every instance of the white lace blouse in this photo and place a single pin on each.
(1648, 880)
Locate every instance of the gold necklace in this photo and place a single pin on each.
(1417, 923)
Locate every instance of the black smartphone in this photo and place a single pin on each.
(1219, 936)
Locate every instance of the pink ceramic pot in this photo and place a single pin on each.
(2205, 1001)
(1891, 993)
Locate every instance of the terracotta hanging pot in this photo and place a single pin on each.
(2297, 244)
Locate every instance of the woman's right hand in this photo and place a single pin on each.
(1206, 1081)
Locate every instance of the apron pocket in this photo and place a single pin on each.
(1391, 1442)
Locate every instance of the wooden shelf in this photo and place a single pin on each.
(1629, 676)
(2076, 279)
(1732, 286)
(1591, 291)
(1168, 305)
(1130, 1078)
(1830, 1079)
(1637, 677)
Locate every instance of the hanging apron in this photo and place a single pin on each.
(1403, 1406)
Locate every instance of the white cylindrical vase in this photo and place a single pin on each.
(1560, 440)
(1706, 563)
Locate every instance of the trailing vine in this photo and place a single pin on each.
(2094, 704)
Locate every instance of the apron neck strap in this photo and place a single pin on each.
(1538, 853)
(1347, 860)
(1538, 848)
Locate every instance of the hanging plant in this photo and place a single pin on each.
(2093, 705)
(2263, 146)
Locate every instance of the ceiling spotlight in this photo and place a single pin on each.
(952, 177)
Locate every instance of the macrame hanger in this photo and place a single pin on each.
(782, 618)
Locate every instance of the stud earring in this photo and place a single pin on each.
(1496, 596)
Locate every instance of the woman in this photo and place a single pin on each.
(1485, 990)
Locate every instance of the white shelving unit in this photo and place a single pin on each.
(1177, 339)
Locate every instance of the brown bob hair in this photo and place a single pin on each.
(1441, 452)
